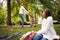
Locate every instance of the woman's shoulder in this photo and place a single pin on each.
(50, 18)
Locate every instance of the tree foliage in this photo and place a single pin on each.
(34, 7)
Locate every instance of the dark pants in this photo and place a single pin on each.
(22, 18)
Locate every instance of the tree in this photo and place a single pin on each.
(52, 5)
(9, 13)
(58, 11)
(27, 17)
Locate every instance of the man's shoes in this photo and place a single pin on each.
(22, 26)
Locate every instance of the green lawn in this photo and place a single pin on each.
(14, 29)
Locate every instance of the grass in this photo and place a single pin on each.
(17, 28)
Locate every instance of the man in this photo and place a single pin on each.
(23, 11)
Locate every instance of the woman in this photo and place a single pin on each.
(47, 31)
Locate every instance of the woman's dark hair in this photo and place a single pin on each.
(47, 12)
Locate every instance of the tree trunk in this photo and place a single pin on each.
(9, 13)
(27, 17)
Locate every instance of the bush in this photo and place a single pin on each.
(58, 16)
(2, 18)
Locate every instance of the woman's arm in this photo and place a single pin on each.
(40, 20)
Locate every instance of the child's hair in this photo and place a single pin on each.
(47, 12)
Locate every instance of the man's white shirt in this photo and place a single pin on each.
(23, 10)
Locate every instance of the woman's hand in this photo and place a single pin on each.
(34, 32)
(41, 14)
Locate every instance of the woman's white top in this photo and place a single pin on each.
(23, 10)
(47, 27)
